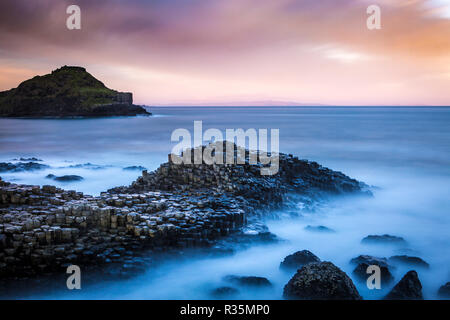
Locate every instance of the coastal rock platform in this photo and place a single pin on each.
(45, 229)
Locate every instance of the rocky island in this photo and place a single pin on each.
(66, 92)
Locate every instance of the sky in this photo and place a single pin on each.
(175, 52)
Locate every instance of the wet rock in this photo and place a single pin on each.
(360, 272)
(319, 229)
(444, 291)
(383, 239)
(321, 281)
(409, 261)
(297, 260)
(33, 159)
(408, 288)
(135, 168)
(224, 292)
(250, 281)
(66, 178)
(87, 165)
(370, 260)
(21, 166)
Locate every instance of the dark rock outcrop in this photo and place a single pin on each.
(408, 288)
(21, 166)
(66, 92)
(409, 261)
(383, 239)
(360, 272)
(224, 292)
(444, 291)
(370, 260)
(319, 229)
(321, 281)
(249, 281)
(65, 178)
(299, 259)
(137, 168)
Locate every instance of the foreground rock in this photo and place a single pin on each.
(444, 291)
(408, 288)
(383, 239)
(250, 281)
(409, 261)
(176, 206)
(299, 259)
(321, 281)
(66, 92)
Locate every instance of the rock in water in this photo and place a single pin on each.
(298, 259)
(383, 239)
(370, 260)
(321, 281)
(444, 291)
(66, 178)
(318, 229)
(360, 272)
(21, 166)
(411, 261)
(409, 288)
(224, 292)
(248, 281)
(66, 92)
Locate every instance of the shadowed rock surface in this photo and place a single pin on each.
(250, 281)
(410, 261)
(444, 291)
(21, 166)
(408, 288)
(66, 178)
(370, 260)
(298, 259)
(383, 239)
(360, 272)
(321, 281)
(224, 292)
(66, 92)
(319, 229)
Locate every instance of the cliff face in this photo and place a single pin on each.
(66, 92)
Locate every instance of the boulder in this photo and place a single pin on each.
(361, 274)
(224, 292)
(321, 281)
(298, 259)
(408, 288)
(66, 178)
(444, 291)
(383, 239)
(410, 261)
(370, 260)
(248, 281)
(318, 229)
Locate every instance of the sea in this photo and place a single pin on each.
(402, 152)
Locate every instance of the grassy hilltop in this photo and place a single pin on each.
(66, 92)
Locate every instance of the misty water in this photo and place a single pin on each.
(404, 152)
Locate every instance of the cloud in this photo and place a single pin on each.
(281, 49)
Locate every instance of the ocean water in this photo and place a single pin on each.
(404, 152)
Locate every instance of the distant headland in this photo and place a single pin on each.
(66, 92)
